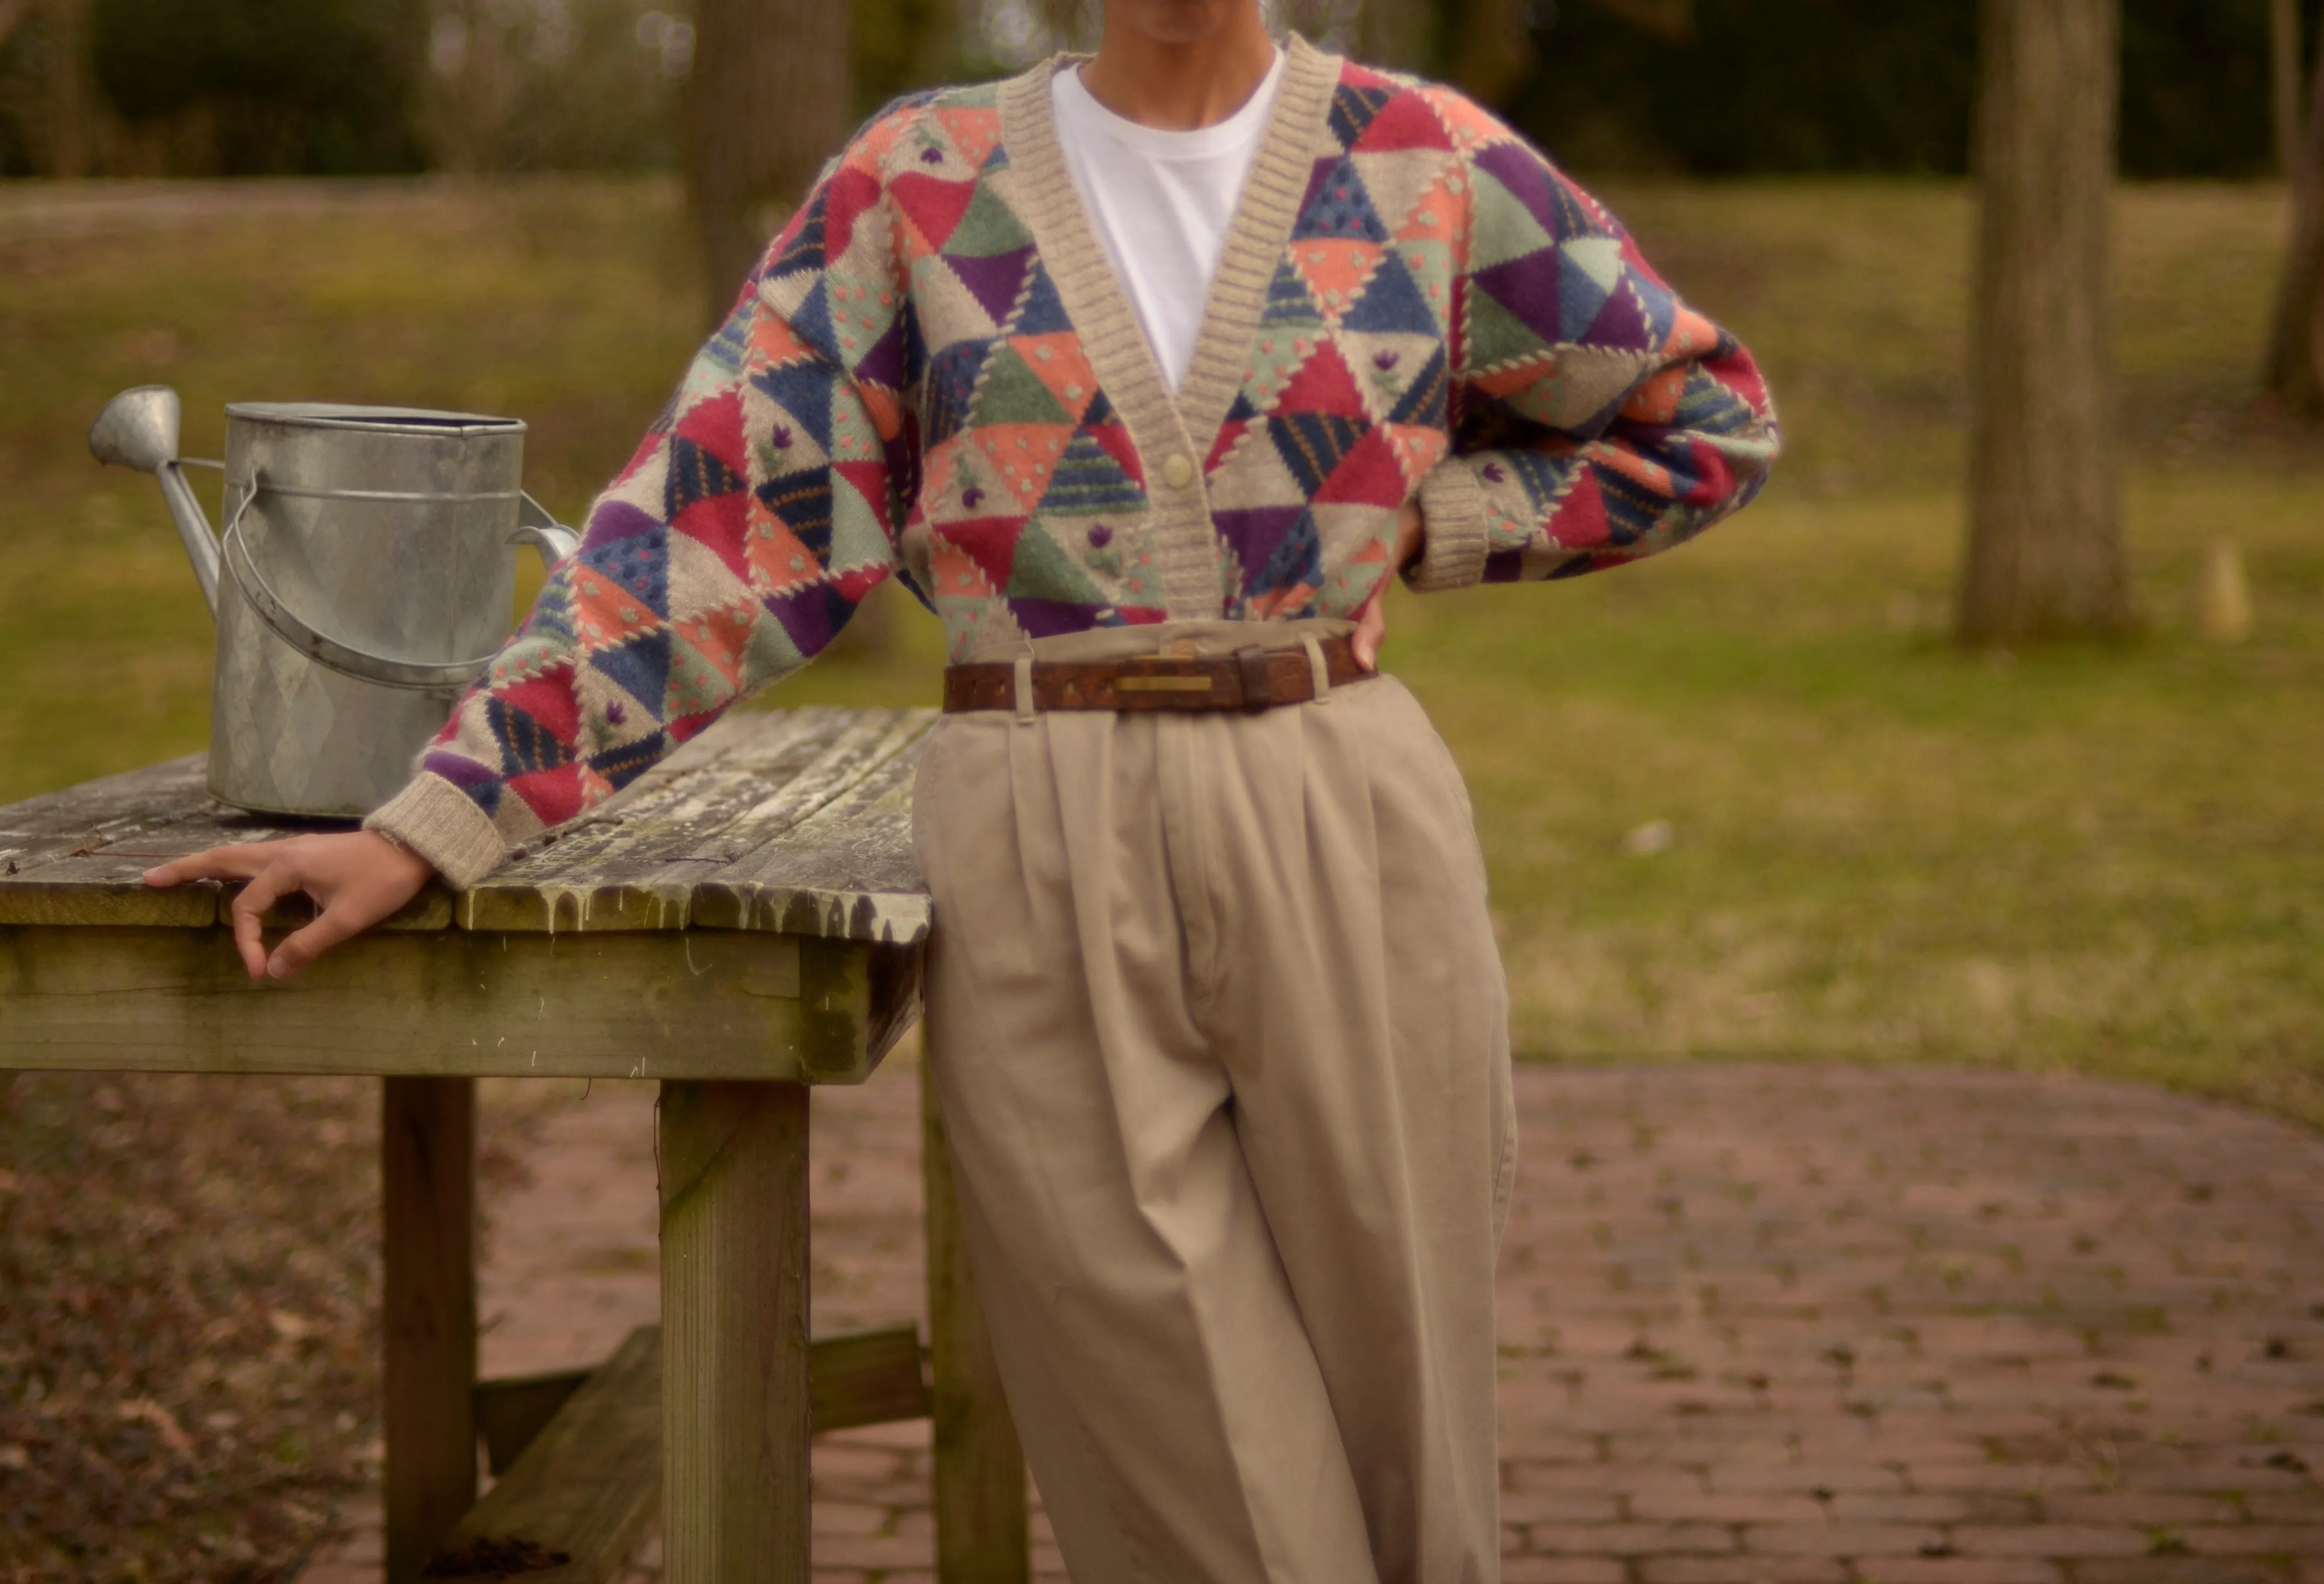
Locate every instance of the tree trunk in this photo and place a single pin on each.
(2046, 550)
(1488, 48)
(767, 104)
(1394, 34)
(72, 98)
(2285, 80)
(2292, 376)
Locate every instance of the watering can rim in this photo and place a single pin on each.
(405, 420)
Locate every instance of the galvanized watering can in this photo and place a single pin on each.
(368, 570)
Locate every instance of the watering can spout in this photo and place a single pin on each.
(139, 428)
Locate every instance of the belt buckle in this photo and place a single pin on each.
(1250, 669)
(1146, 673)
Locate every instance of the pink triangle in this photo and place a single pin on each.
(933, 204)
(1403, 123)
(989, 541)
(1322, 384)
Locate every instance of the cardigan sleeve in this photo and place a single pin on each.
(761, 507)
(1595, 418)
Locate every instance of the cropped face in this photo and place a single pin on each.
(1178, 22)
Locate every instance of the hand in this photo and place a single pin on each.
(1371, 626)
(356, 880)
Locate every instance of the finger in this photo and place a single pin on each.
(272, 884)
(1370, 628)
(218, 863)
(335, 924)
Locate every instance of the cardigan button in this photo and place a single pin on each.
(1178, 472)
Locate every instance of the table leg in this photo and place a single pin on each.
(734, 1332)
(428, 1178)
(981, 1534)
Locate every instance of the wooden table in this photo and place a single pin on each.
(744, 921)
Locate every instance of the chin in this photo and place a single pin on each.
(1176, 22)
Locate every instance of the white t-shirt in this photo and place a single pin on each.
(1160, 203)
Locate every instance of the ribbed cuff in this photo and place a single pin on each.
(444, 825)
(1452, 512)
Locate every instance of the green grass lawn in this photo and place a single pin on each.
(2109, 859)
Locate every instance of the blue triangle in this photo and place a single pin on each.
(811, 322)
(638, 562)
(1043, 312)
(694, 476)
(626, 763)
(1339, 207)
(803, 500)
(802, 389)
(1391, 303)
(1352, 110)
(1580, 297)
(640, 668)
(1288, 302)
(952, 386)
(526, 745)
(1298, 558)
(1087, 479)
(804, 254)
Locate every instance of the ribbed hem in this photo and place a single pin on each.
(444, 825)
(1453, 544)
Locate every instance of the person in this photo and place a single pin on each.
(1146, 371)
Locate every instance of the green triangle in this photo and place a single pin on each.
(770, 653)
(989, 228)
(1042, 570)
(695, 684)
(1503, 228)
(1009, 392)
(1497, 335)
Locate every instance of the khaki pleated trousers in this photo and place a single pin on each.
(1220, 1037)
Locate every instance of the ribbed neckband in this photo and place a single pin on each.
(1041, 188)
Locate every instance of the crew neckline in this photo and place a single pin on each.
(1162, 142)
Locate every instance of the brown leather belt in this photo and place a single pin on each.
(1251, 678)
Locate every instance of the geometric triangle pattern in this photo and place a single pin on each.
(900, 389)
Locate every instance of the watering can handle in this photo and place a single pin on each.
(346, 658)
(537, 528)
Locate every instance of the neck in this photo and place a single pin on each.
(1178, 84)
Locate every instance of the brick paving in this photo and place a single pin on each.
(1760, 1325)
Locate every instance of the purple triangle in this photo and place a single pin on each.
(884, 364)
(1529, 288)
(1519, 170)
(811, 613)
(1255, 532)
(1622, 323)
(994, 281)
(1046, 618)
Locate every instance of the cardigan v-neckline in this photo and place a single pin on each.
(1176, 431)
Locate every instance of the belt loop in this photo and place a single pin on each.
(1023, 691)
(1317, 669)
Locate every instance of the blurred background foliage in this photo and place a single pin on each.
(1698, 87)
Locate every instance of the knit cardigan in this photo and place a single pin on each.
(934, 374)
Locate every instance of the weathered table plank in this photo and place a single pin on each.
(709, 1004)
(793, 823)
(641, 862)
(744, 920)
(586, 1488)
